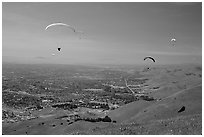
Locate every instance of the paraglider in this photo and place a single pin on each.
(173, 41)
(60, 24)
(150, 58)
(63, 25)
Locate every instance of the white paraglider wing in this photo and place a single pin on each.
(173, 40)
(60, 24)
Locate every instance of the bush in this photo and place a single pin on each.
(106, 119)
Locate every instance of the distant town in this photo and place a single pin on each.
(97, 91)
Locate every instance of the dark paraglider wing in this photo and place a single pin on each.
(150, 58)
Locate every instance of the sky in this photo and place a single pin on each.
(114, 32)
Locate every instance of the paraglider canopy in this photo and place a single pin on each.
(173, 39)
(150, 58)
(60, 24)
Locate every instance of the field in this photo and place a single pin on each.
(101, 100)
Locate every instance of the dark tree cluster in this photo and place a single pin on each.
(147, 98)
(105, 119)
(65, 106)
(98, 105)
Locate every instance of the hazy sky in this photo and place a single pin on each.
(115, 33)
